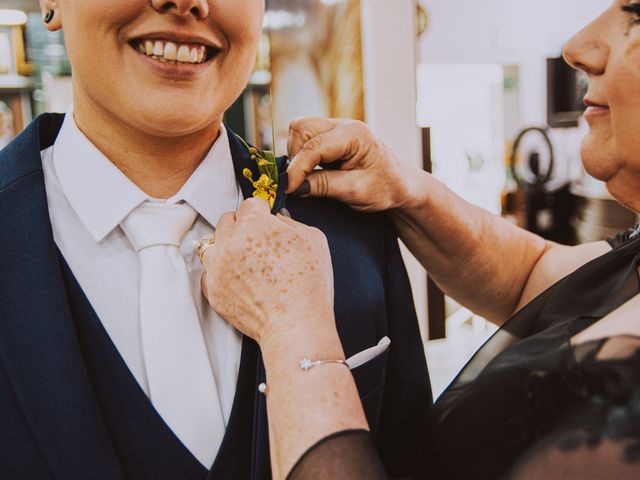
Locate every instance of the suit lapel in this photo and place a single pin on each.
(242, 159)
(38, 344)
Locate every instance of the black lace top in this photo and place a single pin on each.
(528, 404)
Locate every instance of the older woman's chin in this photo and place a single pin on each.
(622, 180)
(598, 157)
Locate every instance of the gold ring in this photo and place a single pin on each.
(202, 245)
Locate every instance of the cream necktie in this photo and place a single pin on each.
(182, 387)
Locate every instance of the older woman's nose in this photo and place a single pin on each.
(588, 50)
(197, 8)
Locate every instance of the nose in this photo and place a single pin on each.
(588, 50)
(198, 9)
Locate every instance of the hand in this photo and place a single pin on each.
(268, 275)
(371, 178)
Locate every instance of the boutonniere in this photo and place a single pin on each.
(266, 186)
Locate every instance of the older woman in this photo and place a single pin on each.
(554, 394)
(112, 364)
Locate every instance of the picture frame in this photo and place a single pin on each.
(13, 52)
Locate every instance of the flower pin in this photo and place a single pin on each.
(266, 186)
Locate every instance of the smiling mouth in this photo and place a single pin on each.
(175, 52)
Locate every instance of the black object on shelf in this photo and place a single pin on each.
(546, 212)
(566, 89)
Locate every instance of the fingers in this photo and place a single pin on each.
(225, 226)
(302, 130)
(253, 207)
(340, 185)
(289, 221)
(337, 144)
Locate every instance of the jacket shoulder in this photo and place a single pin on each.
(22, 156)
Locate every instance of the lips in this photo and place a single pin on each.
(595, 108)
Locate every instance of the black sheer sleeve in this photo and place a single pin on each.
(347, 455)
(599, 437)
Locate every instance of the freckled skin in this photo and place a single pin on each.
(249, 303)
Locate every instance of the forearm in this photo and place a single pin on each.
(306, 406)
(479, 259)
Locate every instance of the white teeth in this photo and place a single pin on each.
(183, 53)
(158, 48)
(173, 52)
(170, 51)
(193, 55)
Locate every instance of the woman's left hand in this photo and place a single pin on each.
(269, 275)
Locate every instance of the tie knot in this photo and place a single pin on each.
(157, 224)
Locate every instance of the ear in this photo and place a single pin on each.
(47, 6)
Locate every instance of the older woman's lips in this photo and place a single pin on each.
(595, 110)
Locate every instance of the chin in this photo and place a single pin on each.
(597, 158)
(175, 120)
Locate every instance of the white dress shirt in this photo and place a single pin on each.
(89, 197)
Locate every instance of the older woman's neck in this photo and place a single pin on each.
(158, 165)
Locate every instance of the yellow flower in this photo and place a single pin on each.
(264, 187)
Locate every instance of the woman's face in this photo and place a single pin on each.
(166, 68)
(608, 50)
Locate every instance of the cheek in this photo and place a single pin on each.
(86, 23)
(241, 21)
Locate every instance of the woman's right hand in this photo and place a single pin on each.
(371, 178)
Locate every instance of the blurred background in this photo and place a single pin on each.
(475, 92)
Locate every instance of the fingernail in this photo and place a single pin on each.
(285, 213)
(304, 189)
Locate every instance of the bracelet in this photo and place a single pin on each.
(306, 365)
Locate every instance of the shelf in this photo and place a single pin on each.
(16, 82)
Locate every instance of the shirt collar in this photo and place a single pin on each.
(213, 188)
(103, 196)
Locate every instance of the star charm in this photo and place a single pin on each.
(306, 364)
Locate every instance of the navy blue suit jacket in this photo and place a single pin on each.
(63, 416)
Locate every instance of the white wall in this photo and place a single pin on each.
(389, 43)
(521, 32)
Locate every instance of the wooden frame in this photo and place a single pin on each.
(435, 297)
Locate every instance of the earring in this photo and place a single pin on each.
(49, 16)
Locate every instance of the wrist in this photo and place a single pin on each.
(315, 341)
(414, 195)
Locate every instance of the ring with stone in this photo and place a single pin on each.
(202, 245)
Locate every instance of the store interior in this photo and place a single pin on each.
(475, 92)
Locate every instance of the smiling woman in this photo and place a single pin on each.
(162, 107)
(608, 51)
